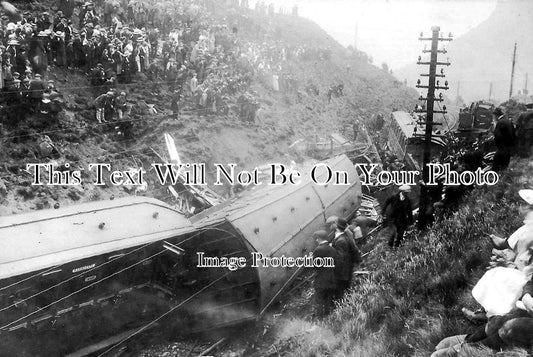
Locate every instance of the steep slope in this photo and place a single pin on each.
(284, 117)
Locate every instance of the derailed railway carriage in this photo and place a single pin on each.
(82, 279)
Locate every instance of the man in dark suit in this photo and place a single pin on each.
(347, 256)
(524, 131)
(325, 276)
(37, 88)
(398, 211)
(504, 139)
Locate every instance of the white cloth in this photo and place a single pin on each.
(523, 232)
(499, 289)
(275, 82)
(357, 233)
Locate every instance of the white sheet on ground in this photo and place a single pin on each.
(499, 289)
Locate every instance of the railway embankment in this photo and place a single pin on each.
(412, 297)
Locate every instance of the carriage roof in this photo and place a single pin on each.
(41, 239)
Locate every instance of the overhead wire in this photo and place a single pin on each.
(444, 117)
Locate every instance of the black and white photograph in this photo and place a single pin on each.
(277, 178)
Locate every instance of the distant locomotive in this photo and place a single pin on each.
(476, 119)
(84, 278)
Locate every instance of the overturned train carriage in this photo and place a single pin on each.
(74, 277)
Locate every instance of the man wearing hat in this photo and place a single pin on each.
(174, 104)
(21, 60)
(100, 103)
(120, 105)
(324, 283)
(13, 98)
(50, 86)
(524, 131)
(87, 14)
(347, 256)
(331, 226)
(98, 75)
(25, 93)
(67, 7)
(398, 211)
(37, 88)
(44, 22)
(504, 139)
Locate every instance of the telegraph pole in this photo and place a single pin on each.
(512, 72)
(430, 100)
(490, 91)
(356, 34)
(526, 92)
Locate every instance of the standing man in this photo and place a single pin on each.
(325, 276)
(37, 88)
(331, 228)
(346, 256)
(121, 105)
(193, 85)
(398, 211)
(174, 104)
(524, 131)
(504, 139)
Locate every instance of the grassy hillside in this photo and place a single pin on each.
(414, 295)
(283, 118)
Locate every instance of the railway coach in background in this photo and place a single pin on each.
(406, 140)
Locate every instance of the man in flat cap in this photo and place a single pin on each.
(398, 211)
(324, 283)
(37, 88)
(100, 103)
(347, 256)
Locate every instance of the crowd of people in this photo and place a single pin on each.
(178, 43)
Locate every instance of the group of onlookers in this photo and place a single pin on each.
(339, 241)
(178, 43)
